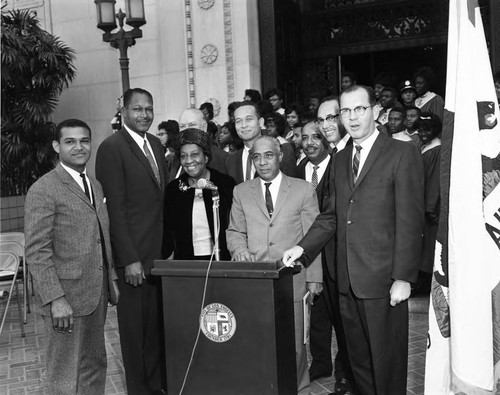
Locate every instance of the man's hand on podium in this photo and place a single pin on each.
(291, 255)
(243, 256)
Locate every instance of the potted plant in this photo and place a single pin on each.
(36, 67)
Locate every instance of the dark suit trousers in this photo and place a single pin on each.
(325, 313)
(320, 335)
(377, 342)
(140, 321)
(76, 361)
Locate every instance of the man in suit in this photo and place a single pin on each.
(271, 213)
(334, 132)
(376, 215)
(325, 310)
(131, 167)
(329, 124)
(249, 123)
(69, 250)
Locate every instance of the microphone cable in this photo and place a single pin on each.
(201, 311)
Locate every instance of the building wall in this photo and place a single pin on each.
(191, 51)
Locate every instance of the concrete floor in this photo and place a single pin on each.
(22, 359)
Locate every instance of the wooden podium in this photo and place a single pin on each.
(246, 343)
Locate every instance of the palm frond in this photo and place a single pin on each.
(36, 67)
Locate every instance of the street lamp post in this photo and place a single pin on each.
(122, 39)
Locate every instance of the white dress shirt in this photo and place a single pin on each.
(343, 142)
(320, 170)
(367, 146)
(202, 237)
(274, 188)
(76, 176)
(140, 141)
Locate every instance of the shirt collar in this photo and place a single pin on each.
(368, 143)
(275, 182)
(136, 136)
(343, 142)
(73, 173)
(322, 165)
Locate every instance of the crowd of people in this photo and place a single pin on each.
(346, 186)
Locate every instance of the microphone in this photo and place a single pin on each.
(205, 184)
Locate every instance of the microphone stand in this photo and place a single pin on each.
(215, 210)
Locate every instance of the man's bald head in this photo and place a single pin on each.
(192, 118)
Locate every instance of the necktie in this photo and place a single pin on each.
(86, 186)
(355, 162)
(269, 199)
(314, 178)
(248, 173)
(334, 150)
(152, 162)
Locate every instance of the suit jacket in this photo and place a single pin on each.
(63, 242)
(218, 160)
(267, 238)
(323, 192)
(173, 164)
(135, 201)
(178, 235)
(378, 221)
(234, 165)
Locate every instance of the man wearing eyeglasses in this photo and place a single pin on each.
(329, 123)
(376, 216)
(325, 312)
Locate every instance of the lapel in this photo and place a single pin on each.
(301, 169)
(372, 157)
(239, 166)
(285, 187)
(160, 161)
(72, 186)
(140, 154)
(348, 166)
(98, 196)
(258, 195)
(323, 183)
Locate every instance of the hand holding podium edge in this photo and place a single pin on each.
(291, 255)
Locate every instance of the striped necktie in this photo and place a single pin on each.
(314, 178)
(355, 162)
(248, 173)
(152, 162)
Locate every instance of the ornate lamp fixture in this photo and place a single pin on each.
(106, 21)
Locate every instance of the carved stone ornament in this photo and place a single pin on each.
(215, 104)
(206, 4)
(209, 54)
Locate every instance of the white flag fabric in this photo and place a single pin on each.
(464, 315)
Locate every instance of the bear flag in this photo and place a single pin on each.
(463, 353)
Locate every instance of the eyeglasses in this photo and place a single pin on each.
(359, 111)
(267, 156)
(329, 118)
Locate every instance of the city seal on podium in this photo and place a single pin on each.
(217, 322)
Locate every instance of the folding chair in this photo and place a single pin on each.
(9, 269)
(18, 249)
(19, 238)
